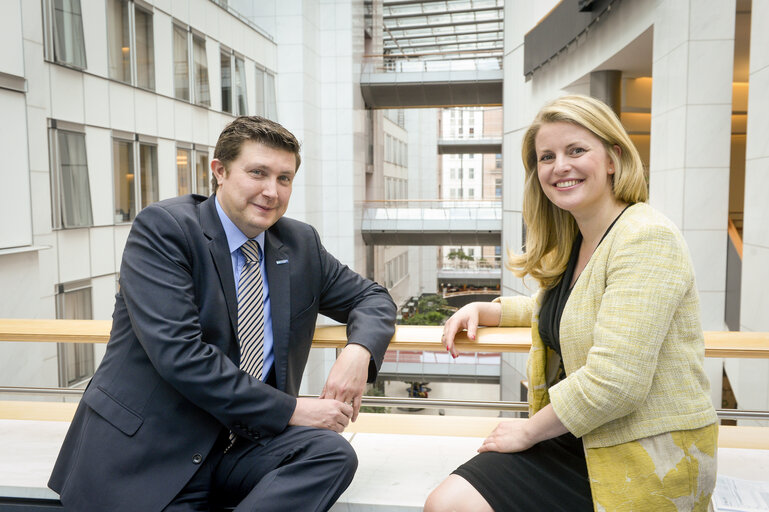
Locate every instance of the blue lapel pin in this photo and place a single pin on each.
(280, 262)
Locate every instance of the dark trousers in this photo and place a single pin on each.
(300, 469)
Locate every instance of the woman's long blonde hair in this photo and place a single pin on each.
(550, 231)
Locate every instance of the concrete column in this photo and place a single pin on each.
(690, 142)
(607, 86)
(750, 378)
(690, 135)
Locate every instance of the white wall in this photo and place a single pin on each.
(99, 105)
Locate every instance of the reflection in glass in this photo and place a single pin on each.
(148, 174)
(123, 164)
(145, 50)
(68, 43)
(73, 179)
(226, 82)
(239, 79)
(200, 66)
(119, 40)
(181, 65)
(201, 171)
(183, 171)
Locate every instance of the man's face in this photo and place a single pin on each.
(255, 188)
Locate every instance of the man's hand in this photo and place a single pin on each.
(347, 378)
(328, 414)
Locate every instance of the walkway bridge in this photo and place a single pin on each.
(403, 84)
(432, 222)
(486, 145)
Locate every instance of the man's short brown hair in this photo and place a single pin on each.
(257, 129)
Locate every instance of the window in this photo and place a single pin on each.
(192, 175)
(131, 44)
(471, 193)
(148, 174)
(233, 84)
(471, 173)
(134, 190)
(498, 161)
(201, 172)
(200, 71)
(453, 174)
(190, 53)
(71, 192)
(265, 94)
(145, 49)
(119, 40)
(226, 67)
(181, 64)
(183, 171)
(497, 187)
(76, 361)
(64, 33)
(123, 165)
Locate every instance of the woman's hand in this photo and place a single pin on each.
(516, 435)
(469, 317)
(508, 437)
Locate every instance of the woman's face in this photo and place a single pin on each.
(574, 168)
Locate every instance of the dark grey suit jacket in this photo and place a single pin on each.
(169, 382)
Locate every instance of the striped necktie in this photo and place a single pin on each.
(251, 312)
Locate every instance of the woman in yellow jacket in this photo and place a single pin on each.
(620, 412)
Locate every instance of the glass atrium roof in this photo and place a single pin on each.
(443, 29)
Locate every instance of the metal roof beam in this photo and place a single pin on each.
(470, 33)
(398, 3)
(441, 13)
(404, 49)
(441, 25)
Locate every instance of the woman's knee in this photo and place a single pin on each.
(455, 494)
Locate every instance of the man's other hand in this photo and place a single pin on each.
(329, 414)
(348, 376)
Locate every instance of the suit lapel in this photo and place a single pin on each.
(220, 252)
(279, 281)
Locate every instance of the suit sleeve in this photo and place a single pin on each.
(157, 284)
(365, 306)
(648, 275)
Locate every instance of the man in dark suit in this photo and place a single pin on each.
(174, 419)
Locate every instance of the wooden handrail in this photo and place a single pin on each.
(407, 337)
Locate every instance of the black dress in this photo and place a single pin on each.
(552, 474)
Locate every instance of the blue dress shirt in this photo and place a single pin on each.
(236, 238)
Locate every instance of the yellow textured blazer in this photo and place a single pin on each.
(633, 352)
